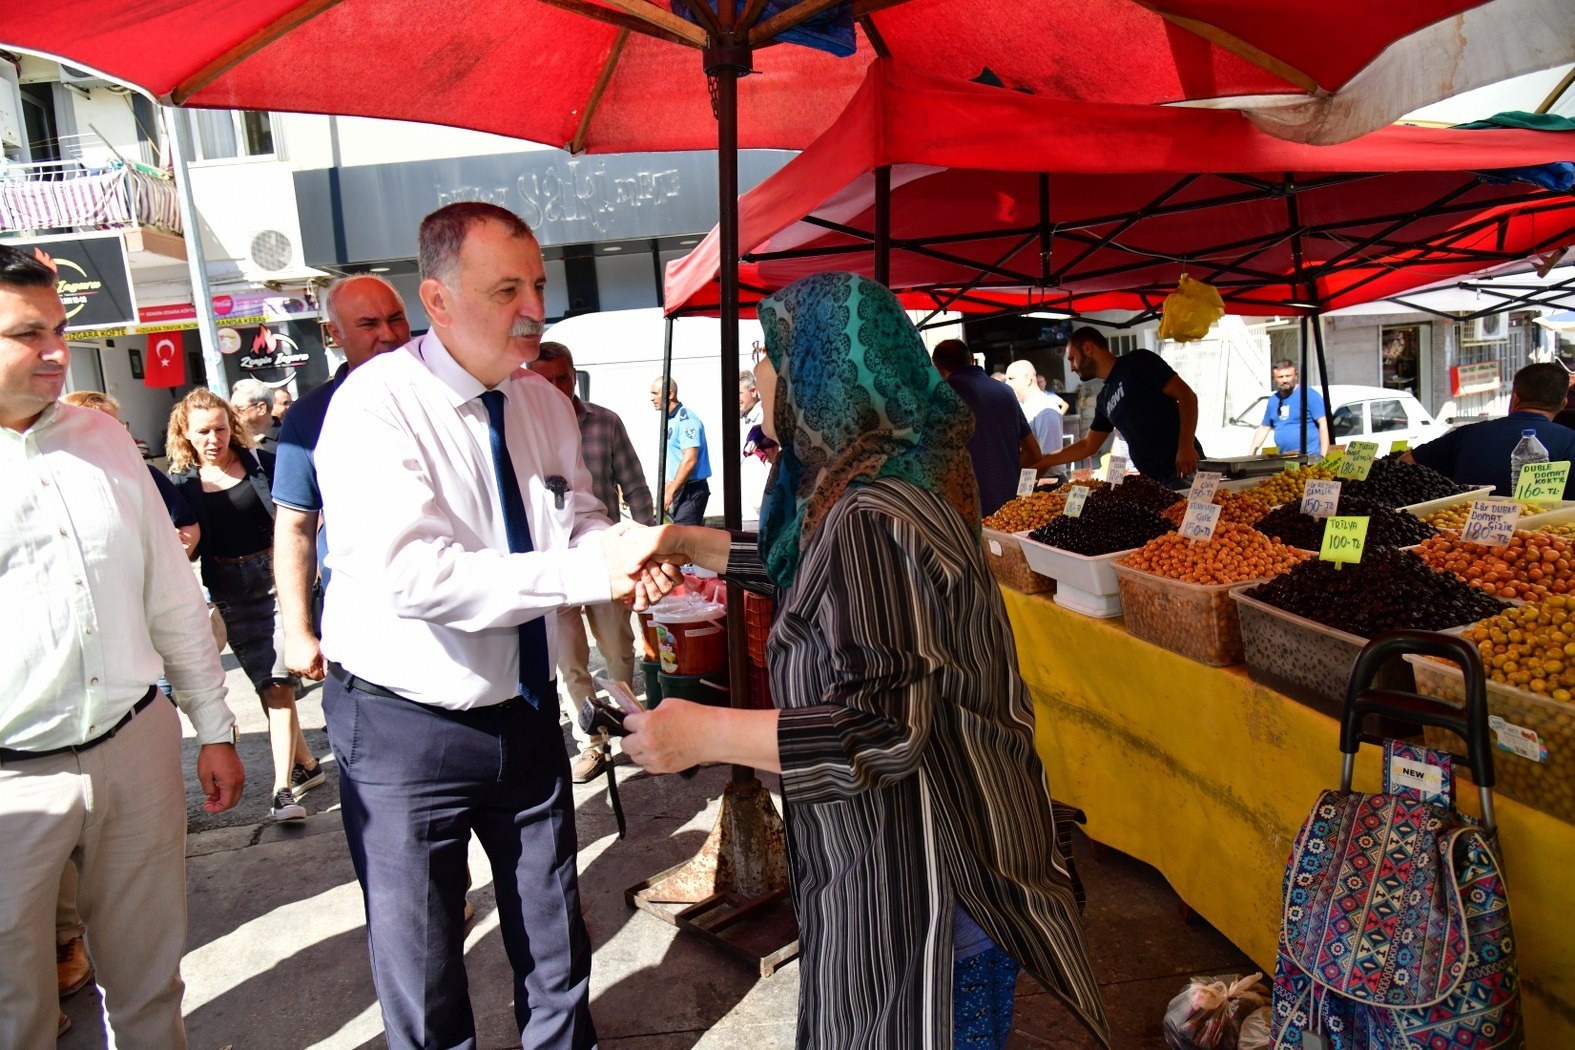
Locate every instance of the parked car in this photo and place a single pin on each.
(1361, 413)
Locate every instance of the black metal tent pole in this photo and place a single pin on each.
(883, 224)
(1296, 269)
(661, 449)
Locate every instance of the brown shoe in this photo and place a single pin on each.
(73, 968)
(590, 763)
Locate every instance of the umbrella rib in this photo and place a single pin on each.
(648, 13)
(802, 12)
(598, 13)
(577, 144)
(1238, 47)
(751, 15)
(254, 43)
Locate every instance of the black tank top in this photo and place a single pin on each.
(237, 522)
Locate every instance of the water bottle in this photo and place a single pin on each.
(1527, 450)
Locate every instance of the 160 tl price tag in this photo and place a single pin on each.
(1200, 520)
(1357, 461)
(1542, 481)
(1076, 496)
(1321, 499)
(1492, 522)
(1343, 539)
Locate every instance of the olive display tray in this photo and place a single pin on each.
(1004, 554)
(1197, 620)
(1422, 510)
(1094, 575)
(1547, 785)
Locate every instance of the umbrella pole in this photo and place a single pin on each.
(735, 890)
(1323, 368)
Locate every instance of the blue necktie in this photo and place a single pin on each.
(535, 681)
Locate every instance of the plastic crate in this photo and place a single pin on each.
(1199, 621)
(758, 612)
(1532, 723)
(759, 688)
(1420, 510)
(1004, 554)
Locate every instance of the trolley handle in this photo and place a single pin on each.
(1469, 723)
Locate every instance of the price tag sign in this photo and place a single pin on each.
(1118, 470)
(1542, 481)
(1358, 460)
(1076, 496)
(1270, 450)
(1205, 483)
(1492, 522)
(1332, 459)
(1200, 520)
(1398, 445)
(1321, 499)
(1290, 464)
(1025, 481)
(1343, 539)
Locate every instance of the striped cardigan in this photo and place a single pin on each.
(910, 779)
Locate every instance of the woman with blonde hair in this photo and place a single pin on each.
(214, 464)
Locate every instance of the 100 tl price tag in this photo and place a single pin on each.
(1542, 481)
(1357, 461)
(1343, 539)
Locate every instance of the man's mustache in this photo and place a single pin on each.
(525, 328)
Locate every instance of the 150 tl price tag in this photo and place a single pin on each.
(1542, 481)
(1357, 461)
(1321, 499)
(1205, 483)
(1076, 496)
(1492, 522)
(1343, 539)
(1200, 520)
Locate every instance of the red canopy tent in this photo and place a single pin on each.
(999, 199)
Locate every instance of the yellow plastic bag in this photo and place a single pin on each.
(1190, 310)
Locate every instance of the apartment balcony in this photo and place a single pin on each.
(68, 196)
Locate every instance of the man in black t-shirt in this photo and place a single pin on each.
(1153, 408)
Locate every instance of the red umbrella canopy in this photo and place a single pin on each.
(625, 75)
(1078, 206)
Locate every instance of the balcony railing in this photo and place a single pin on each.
(55, 195)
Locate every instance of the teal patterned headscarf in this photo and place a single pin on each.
(857, 399)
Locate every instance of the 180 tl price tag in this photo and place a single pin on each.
(1357, 461)
(1343, 539)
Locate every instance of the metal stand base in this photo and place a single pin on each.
(734, 891)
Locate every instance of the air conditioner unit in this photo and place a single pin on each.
(1492, 328)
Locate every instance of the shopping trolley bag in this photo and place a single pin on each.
(1395, 930)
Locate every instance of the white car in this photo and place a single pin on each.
(1361, 413)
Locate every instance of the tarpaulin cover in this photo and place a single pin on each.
(529, 68)
(1135, 195)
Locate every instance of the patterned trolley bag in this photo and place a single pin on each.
(1395, 932)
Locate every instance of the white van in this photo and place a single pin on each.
(619, 355)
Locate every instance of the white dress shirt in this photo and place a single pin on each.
(426, 597)
(96, 595)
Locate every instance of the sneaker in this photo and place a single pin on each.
(303, 780)
(589, 765)
(73, 968)
(285, 806)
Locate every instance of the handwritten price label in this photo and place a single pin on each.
(1358, 460)
(1343, 539)
(1025, 481)
(1117, 473)
(1075, 498)
(1321, 499)
(1492, 522)
(1399, 445)
(1542, 481)
(1331, 460)
(1205, 483)
(1200, 520)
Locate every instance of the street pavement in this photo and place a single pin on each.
(277, 960)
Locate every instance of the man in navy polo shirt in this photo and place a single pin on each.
(1479, 454)
(367, 318)
(1002, 442)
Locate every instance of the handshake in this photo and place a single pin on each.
(643, 562)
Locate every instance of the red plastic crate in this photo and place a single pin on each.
(757, 626)
(759, 688)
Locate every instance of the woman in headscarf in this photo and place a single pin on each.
(925, 865)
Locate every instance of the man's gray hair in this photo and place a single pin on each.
(443, 234)
(331, 294)
(554, 352)
(247, 392)
(746, 380)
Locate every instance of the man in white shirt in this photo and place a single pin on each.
(462, 517)
(96, 601)
(755, 471)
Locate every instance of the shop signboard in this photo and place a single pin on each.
(92, 277)
(1479, 378)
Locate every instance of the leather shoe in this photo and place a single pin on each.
(73, 968)
(589, 765)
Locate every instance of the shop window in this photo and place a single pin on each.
(1347, 421)
(1388, 415)
(225, 134)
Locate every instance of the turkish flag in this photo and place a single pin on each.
(165, 362)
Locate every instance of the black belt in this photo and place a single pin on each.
(9, 755)
(350, 681)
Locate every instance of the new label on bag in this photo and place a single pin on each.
(1542, 481)
(1025, 481)
(1205, 483)
(1357, 461)
(1321, 499)
(1418, 776)
(1200, 520)
(1518, 739)
(1492, 522)
(1343, 539)
(1117, 472)
(1075, 500)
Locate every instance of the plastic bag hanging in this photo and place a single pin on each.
(1190, 311)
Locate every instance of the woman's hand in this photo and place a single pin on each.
(669, 738)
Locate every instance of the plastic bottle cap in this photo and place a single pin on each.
(1528, 433)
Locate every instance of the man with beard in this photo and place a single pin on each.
(1283, 414)
(1152, 407)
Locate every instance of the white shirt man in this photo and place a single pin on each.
(1043, 409)
(96, 600)
(754, 471)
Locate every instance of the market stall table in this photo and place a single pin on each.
(1207, 776)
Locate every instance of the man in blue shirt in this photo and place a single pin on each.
(688, 463)
(1479, 454)
(1283, 414)
(1002, 442)
(366, 317)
